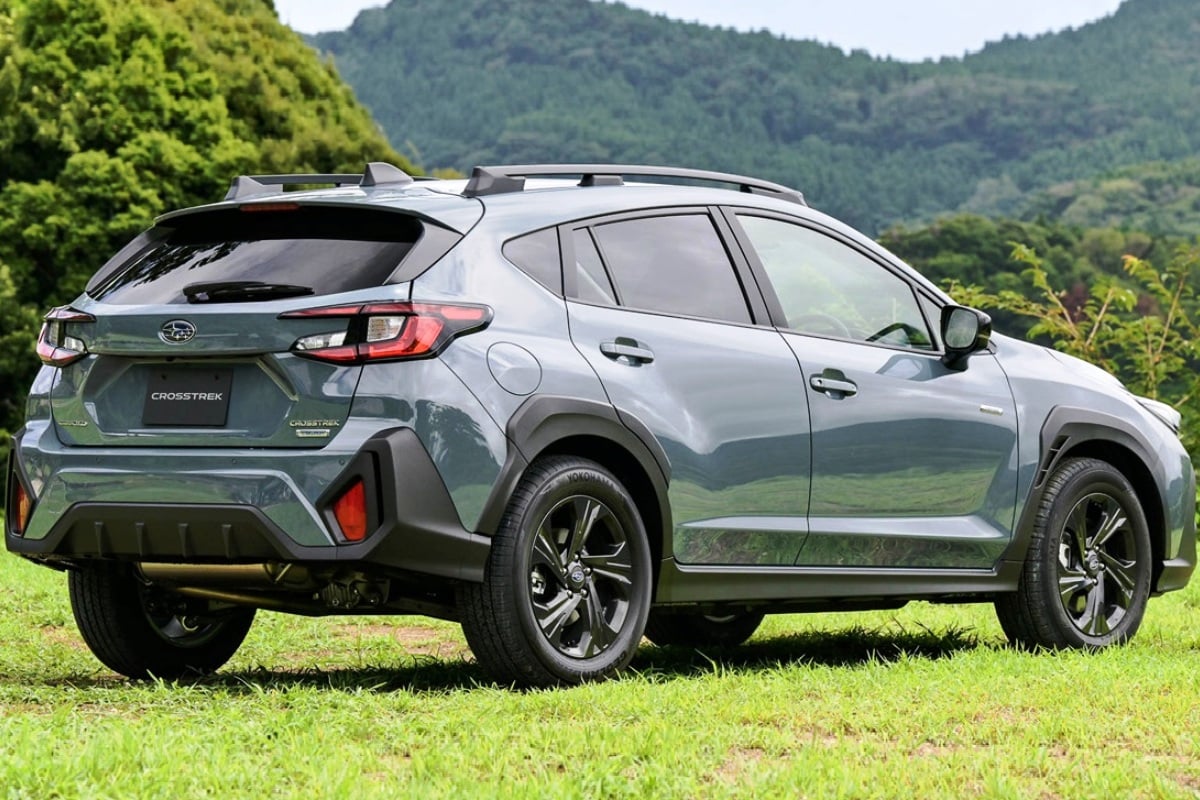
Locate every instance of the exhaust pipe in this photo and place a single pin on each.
(270, 575)
(271, 602)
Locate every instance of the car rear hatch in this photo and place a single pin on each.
(195, 335)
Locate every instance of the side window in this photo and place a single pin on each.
(829, 289)
(537, 255)
(675, 264)
(592, 283)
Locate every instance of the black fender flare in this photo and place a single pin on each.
(1067, 427)
(543, 420)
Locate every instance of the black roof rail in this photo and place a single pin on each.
(376, 173)
(504, 179)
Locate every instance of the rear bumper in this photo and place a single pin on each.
(243, 507)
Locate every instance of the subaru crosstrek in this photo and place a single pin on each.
(568, 406)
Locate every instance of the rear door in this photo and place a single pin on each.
(658, 308)
(186, 345)
(914, 463)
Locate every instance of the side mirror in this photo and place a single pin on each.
(964, 331)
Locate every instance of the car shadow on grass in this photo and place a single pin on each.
(848, 648)
(851, 647)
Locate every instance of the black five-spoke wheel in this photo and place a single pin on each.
(1086, 578)
(567, 586)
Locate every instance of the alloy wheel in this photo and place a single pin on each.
(581, 576)
(1097, 570)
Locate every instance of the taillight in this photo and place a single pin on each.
(54, 347)
(388, 331)
(350, 511)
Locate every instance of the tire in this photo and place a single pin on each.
(1086, 578)
(142, 632)
(567, 585)
(692, 629)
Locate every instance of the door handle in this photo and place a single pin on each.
(833, 385)
(627, 349)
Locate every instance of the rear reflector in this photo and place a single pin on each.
(388, 331)
(20, 505)
(24, 509)
(350, 511)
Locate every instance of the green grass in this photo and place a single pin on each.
(925, 702)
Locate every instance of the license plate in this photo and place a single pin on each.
(187, 398)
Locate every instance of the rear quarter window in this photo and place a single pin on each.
(326, 250)
(536, 254)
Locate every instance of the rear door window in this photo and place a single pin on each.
(675, 264)
(221, 255)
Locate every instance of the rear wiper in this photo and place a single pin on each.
(241, 291)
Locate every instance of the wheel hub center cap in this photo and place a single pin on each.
(576, 576)
(1093, 562)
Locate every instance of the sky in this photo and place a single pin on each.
(908, 30)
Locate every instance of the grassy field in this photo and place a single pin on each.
(925, 702)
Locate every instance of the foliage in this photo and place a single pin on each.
(116, 112)
(1145, 332)
(1161, 197)
(976, 251)
(18, 324)
(872, 141)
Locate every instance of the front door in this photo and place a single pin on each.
(914, 463)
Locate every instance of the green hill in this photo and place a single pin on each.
(1160, 197)
(461, 82)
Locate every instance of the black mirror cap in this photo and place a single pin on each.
(964, 331)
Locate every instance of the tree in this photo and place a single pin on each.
(1147, 335)
(116, 112)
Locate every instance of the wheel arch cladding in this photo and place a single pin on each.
(1082, 433)
(552, 425)
(630, 473)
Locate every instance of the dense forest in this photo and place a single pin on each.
(1162, 197)
(461, 82)
(114, 112)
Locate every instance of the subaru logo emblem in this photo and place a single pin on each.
(177, 331)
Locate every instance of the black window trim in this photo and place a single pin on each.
(612, 283)
(779, 319)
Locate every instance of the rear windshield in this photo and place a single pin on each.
(236, 256)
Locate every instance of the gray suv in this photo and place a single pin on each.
(568, 406)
